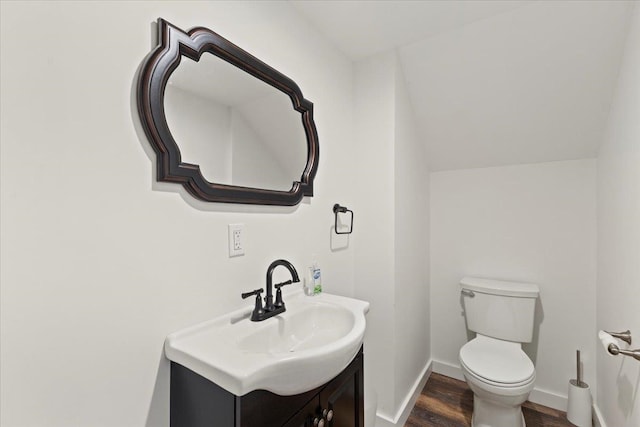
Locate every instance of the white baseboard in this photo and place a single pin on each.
(598, 420)
(383, 421)
(403, 412)
(540, 396)
(548, 398)
(448, 370)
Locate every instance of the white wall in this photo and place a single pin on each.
(532, 84)
(98, 263)
(532, 223)
(411, 223)
(374, 239)
(391, 259)
(618, 283)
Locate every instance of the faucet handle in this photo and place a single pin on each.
(279, 303)
(258, 310)
(256, 292)
(279, 285)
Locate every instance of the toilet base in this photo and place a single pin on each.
(490, 414)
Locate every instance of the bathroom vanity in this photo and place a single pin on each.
(196, 402)
(303, 367)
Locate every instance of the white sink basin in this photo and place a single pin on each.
(293, 352)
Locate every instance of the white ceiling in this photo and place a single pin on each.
(492, 82)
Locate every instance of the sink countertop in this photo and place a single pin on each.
(293, 352)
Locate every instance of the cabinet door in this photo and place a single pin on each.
(305, 416)
(261, 408)
(196, 401)
(342, 401)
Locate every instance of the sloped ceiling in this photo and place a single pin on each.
(492, 82)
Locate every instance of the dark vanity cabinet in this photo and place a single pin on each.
(198, 402)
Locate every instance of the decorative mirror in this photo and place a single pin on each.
(224, 124)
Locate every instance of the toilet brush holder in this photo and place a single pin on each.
(579, 405)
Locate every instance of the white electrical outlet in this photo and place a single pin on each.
(236, 239)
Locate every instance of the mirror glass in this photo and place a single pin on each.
(240, 130)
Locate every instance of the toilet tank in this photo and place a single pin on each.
(500, 309)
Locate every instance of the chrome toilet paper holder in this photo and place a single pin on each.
(626, 337)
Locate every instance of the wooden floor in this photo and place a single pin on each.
(446, 402)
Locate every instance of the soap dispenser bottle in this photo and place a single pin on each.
(308, 282)
(317, 278)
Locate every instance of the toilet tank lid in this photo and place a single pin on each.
(500, 287)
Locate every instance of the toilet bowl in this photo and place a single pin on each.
(496, 369)
(501, 377)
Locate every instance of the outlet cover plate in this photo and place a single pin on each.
(236, 240)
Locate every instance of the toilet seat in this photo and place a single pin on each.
(496, 362)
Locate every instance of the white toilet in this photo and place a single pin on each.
(498, 372)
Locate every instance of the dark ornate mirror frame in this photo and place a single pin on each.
(156, 68)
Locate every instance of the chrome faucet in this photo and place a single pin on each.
(270, 307)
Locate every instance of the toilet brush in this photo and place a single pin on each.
(579, 406)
